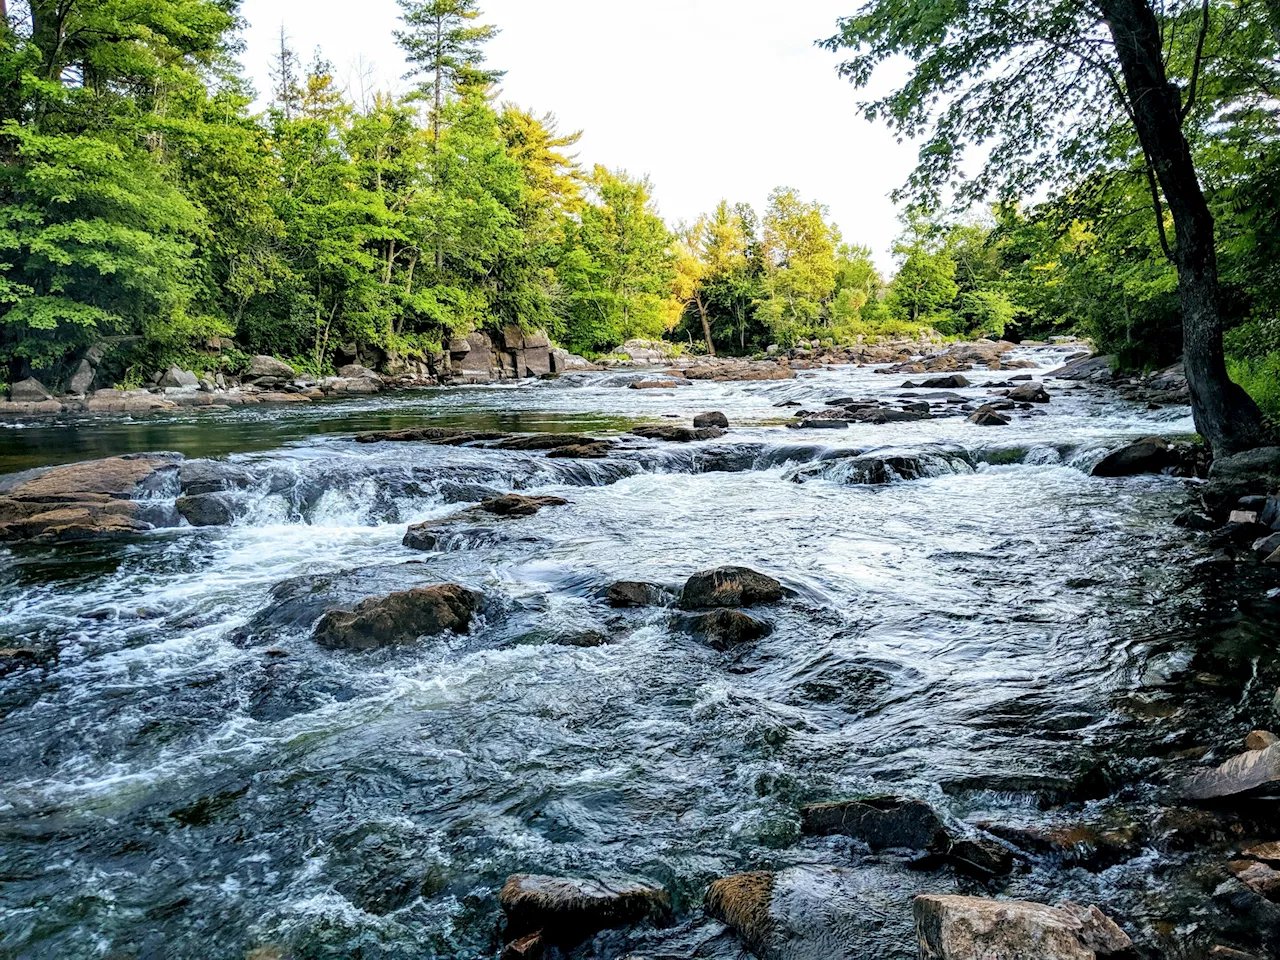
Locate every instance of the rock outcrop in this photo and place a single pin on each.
(1253, 770)
(94, 500)
(399, 618)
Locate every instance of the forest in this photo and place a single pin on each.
(146, 204)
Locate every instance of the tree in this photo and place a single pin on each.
(446, 50)
(1012, 74)
(800, 257)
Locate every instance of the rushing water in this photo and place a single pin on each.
(190, 779)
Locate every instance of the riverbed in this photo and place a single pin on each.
(1005, 637)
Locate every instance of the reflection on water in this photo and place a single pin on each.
(192, 776)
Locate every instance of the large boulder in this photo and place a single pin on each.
(713, 419)
(81, 381)
(29, 390)
(641, 349)
(953, 382)
(975, 928)
(729, 587)
(179, 379)
(399, 618)
(635, 593)
(355, 371)
(1251, 473)
(1085, 368)
(1148, 455)
(205, 510)
(1028, 393)
(565, 910)
(94, 500)
(264, 367)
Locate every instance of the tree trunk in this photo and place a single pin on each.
(706, 328)
(1224, 414)
(4, 10)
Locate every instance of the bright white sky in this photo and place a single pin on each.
(711, 98)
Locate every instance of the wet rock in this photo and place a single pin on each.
(567, 910)
(1260, 740)
(19, 658)
(725, 629)
(712, 419)
(93, 500)
(582, 451)
(1094, 847)
(1252, 473)
(547, 441)
(729, 587)
(634, 593)
(986, 417)
(1085, 368)
(880, 822)
(1194, 520)
(1259, 877)
(974, 928)
(178, 378)
(981, 856)
(398, 618)
(822, 424)
(1250, 917)
(518, 505)
(29, 390)
(205, 510)
(1245, 773)
(264, 367)
(1028, 393)
(1148, 455)
(445, 436)
(811, 912)
(677, 434)
(1220, 952)
(657, 384)
(953, 382)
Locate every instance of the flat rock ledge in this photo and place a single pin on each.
(426, 535)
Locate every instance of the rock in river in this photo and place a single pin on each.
(1148, 455)
(635, 593)
(724, 629)
(881, 823)
(974, 928)
(1028, 393)
(677, 434)
(518, 505)
(987, 417)
(1247, 772)
(398, 618)
(729, 587)
(566, 910)
(712, 419)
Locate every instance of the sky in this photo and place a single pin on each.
(713, 99)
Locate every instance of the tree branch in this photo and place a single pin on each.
(1192, 89)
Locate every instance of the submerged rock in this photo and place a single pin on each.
(635, 593)
(974, 928)
(1247, 772)
(677, 434)
(881, 822)
(1148, 455)
(729, 587)
(446, 436)
(582, 451)
(399, 618)
(566, 910)
(724, 629)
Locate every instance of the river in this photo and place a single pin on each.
(1006, 637)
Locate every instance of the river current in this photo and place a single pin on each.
(1005, 636)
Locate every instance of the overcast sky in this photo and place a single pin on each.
(712, 98)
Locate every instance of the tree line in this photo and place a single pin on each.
(144, 203)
